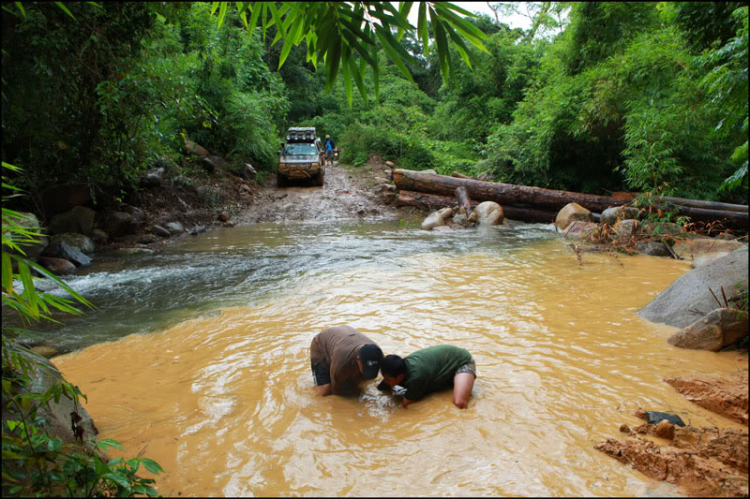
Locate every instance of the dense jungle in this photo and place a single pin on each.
(110, 109)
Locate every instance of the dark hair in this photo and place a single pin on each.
(392, 365)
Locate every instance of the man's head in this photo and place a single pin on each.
(328, 136)
(368, 360)
(393, 368)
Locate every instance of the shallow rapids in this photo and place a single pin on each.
(219, 389)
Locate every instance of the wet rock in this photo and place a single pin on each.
(580, 229)
(625, 229)
(690, 292)
(99, 236)
(725, 396)
(726, 236)
(147, 238)
(133, 251)
(460, 219)
(625, 428)
(690, 249)
(720, 328)
(32, 250)
(229, 223)
(701, 260)
(45, 351)
(119, 223)
(198, 229)
(154, 177)
(136, 213)
(654, 248)
(436, 219)
(728, 445)
(175, 228)
(58, 266)
(70, 253)
(80, 219)
(613, 214)
(160, 231)
(57, 415)
(487, 213)
(224, 216)
(571, 213)
(78, 241)
(442, 228)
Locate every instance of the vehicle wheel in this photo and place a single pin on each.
(280, 180)
(320, 177)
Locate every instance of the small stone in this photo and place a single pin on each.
(665, 429)
(160, 231)
(624, 428)
(640, 413)
(224, 216)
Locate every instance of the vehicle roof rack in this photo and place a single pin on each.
(301, 134)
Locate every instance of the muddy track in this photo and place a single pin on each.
(345, 194)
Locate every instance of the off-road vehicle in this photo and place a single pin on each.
(301, 157)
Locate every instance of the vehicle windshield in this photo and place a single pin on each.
(300, 149)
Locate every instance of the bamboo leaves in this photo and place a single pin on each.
(347, 36)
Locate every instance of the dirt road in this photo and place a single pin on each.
(346, 193)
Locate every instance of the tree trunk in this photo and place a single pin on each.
(464, 200)
(697, 203)
(509, 196)
(460, 175)
(434, 202)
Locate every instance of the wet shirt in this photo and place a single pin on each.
(338, 347)
(432, 369)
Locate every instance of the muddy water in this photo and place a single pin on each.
(224, 400)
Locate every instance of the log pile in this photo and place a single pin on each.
(536, 204)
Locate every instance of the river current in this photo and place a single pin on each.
(198, 357)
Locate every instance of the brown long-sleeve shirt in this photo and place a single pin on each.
(338, 347)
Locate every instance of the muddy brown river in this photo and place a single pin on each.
(217, 386)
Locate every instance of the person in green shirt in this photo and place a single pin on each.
(430, 370)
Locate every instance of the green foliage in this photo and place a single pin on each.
(35, 463)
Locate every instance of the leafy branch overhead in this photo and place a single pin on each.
(347, 36)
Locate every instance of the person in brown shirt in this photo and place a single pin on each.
(341, 357)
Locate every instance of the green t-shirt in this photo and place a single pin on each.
(432, 369)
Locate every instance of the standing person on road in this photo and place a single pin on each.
(341, 357)
(330, 146)
(430, 370)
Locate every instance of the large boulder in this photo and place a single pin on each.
(33, 249)
(72, 254)
(580, 229)
(487, 213)
(58, 266)
(160, 231)
(654, 248)
(625, 229)
(676, 304)
(249, 172)
(175, 228)
(570, 213)
(211, 163)
(62, 198)
(119, 223)
(154, 177)
(437, 218)
(695, 248)
(720, 328)
(78, 241)
(80, 219)
(58, 415)
(615, 213)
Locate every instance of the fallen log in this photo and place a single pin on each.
(698, 203)
(510, 195)
(460, 175)
(463, 200)
(434, 202)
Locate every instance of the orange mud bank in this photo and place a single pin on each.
(702, 461)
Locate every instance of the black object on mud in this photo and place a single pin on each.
(653, 417)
